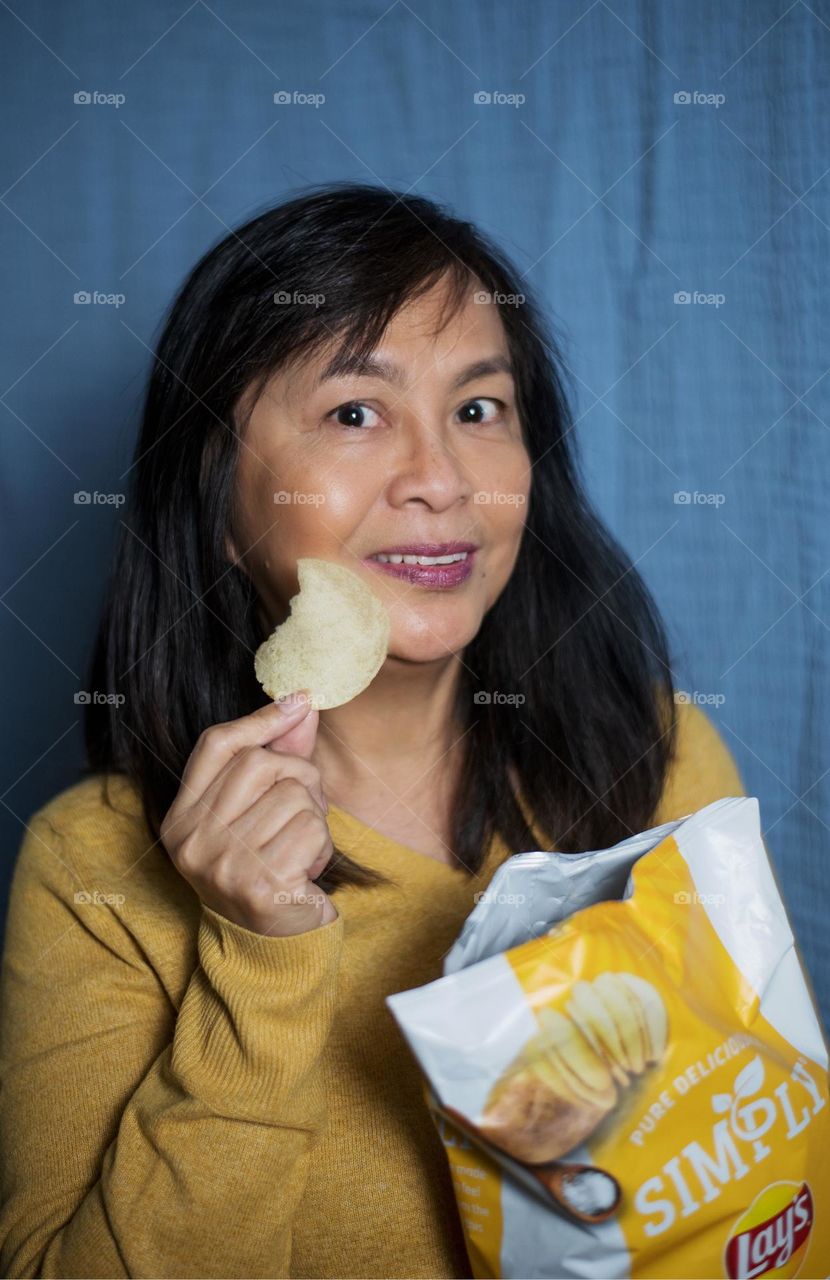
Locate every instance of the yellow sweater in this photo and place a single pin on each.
(183, 1097)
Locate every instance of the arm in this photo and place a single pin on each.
(134, 1142)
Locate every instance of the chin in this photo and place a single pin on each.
(431, 642)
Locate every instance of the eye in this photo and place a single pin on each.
(353, 415)
(471, 411)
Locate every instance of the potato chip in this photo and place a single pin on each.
(333, 643)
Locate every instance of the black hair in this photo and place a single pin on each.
(575, 630)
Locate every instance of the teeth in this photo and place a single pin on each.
(450, 559)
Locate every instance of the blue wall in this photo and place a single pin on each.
(612, 197)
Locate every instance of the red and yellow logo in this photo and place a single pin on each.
(770, 1239)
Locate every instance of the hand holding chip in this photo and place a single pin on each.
(248, 827)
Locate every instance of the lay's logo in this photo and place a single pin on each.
(770, 1238)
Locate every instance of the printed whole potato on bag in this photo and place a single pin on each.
(625, 1065)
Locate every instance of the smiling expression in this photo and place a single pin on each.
(421, 446)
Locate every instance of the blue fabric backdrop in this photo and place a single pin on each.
(658, 151)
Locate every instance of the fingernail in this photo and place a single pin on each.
(292, 701)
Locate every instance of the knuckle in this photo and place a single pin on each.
(325, 839)
(269, 762)
(313, 774)
(187, 852)
(312, 825)
(292, 789)
(276, 885)
(215, 735)
(173, 819)
(223, 876)
(291, 767)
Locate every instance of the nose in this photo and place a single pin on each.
(427, 469)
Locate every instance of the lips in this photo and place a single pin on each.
(427, 549)
(433, 564)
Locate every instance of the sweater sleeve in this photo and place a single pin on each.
(135, 1141)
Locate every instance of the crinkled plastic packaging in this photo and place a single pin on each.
(625, 1065)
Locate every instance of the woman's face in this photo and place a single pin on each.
(423, 451)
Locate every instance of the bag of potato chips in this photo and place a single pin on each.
(625, 1065)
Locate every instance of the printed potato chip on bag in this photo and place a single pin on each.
(625, 1065)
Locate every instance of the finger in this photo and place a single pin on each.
(218, 744)
(249, 776)
(264, 820)
(241, 874)
(254, 775)
(302, 844)
(299, 738)
(259, 767)
(280, 866)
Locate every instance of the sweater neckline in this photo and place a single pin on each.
(374, 843)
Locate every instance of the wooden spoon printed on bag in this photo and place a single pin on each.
(584, 1191)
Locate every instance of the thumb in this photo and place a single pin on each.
(299, 740)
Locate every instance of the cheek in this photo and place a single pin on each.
(320, 499)
(518, 476)
(506, 513)
(347, 494)
(337, 482)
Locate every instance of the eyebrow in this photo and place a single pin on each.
(345, 363)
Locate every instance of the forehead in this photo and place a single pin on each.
(432, 320)
(427, 332)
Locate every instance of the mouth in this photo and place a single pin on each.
(445, 564)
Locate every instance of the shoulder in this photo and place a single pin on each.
(95, 798)
(98, 817)
(89, 846)
(702, 768)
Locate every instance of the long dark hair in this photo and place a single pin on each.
(575, 631)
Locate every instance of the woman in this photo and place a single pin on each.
(201, 1075)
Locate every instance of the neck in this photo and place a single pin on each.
(394, 734)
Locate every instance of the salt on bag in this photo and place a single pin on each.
(625, 1065)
